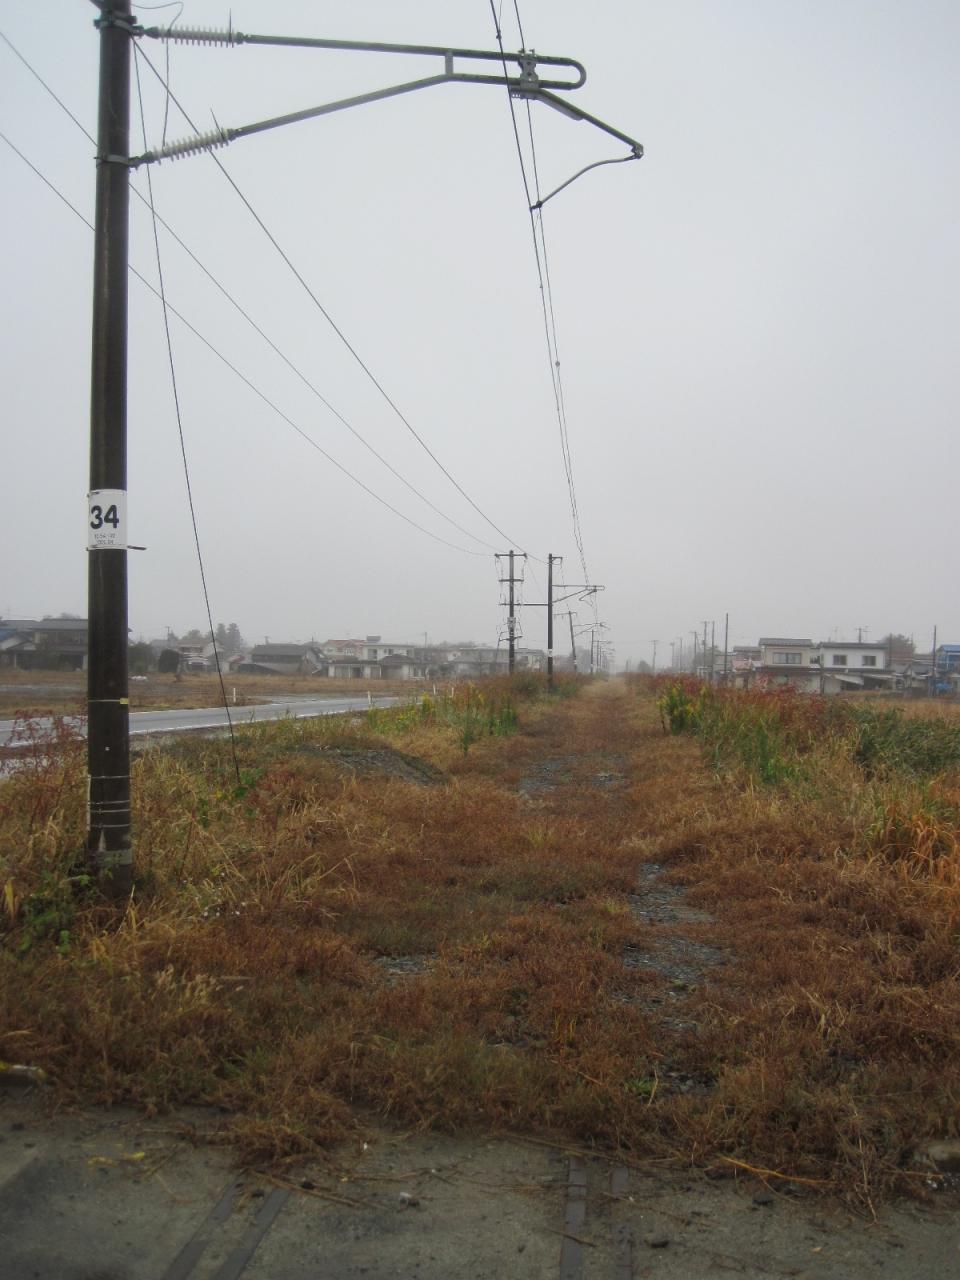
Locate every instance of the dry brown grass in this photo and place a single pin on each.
(252, 970)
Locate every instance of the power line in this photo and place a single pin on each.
(183, 443)
(242, 311)
(325, 313)
(546, 292)
(243, 377)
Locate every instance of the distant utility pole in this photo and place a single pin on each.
(933, 666)
(655, 656)
(703, 649)
(511, 612)
(109, 837)
(573, 642)
(726, 638)
(713, 653)
(549, 621)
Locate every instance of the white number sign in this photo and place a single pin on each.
(107, 519)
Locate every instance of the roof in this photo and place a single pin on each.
(780, 640)
(948, 648)
(278, 651)
(59, 624)
(854, 644)
(10, 634)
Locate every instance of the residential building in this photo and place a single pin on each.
(57, 644)
(948, 659)
(282, 659)
(847, 665)
(785, 660)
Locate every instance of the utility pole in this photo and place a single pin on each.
(703, 650)
(109, 840)
(713, 653)
(726, 639)
(573, 642)
(550, 622)
(512, 625)
(655, 657)
(511, 614)
(933, 666)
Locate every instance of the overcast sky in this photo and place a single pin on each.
(757, 323)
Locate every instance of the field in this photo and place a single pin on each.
(39, 693)
(716, 929)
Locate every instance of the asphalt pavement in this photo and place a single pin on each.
(182, 721)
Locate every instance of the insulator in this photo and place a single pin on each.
(195, 35)
(193, 146)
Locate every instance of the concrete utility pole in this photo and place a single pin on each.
(713, 653)
(511, 614)
(703, 650)
(655, 643)
(549, 621)
(109, 839)
(933, 666)
(512, 625)
(726, 644)
(573, 642)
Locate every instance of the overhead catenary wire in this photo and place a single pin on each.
(243, 377)
(326, 314)
(546, 294)
(183, 444)
(245, 314)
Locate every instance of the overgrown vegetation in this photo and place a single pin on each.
(443, 943)
(472, 711)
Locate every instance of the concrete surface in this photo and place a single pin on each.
(108, 1195)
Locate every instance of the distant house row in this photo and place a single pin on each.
(61, 644)
(374, 659)
(835, 666)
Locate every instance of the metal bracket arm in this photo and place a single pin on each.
(527, 83)
(568, 109)
(525, 59)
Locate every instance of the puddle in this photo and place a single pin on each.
(395, 968)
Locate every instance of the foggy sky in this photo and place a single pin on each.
(757, 324)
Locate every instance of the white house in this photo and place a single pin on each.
(848, 664)
(785, 660)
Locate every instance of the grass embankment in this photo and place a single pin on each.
(438, 937)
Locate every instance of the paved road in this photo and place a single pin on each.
(216, 717)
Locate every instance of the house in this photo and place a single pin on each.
(15, 647)
(52, 644)
(745, 657)
(397, 666)
(200, 656)
(343, 648)
(284, 659)
(847, 665)
(788, 661)
(948, 660)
